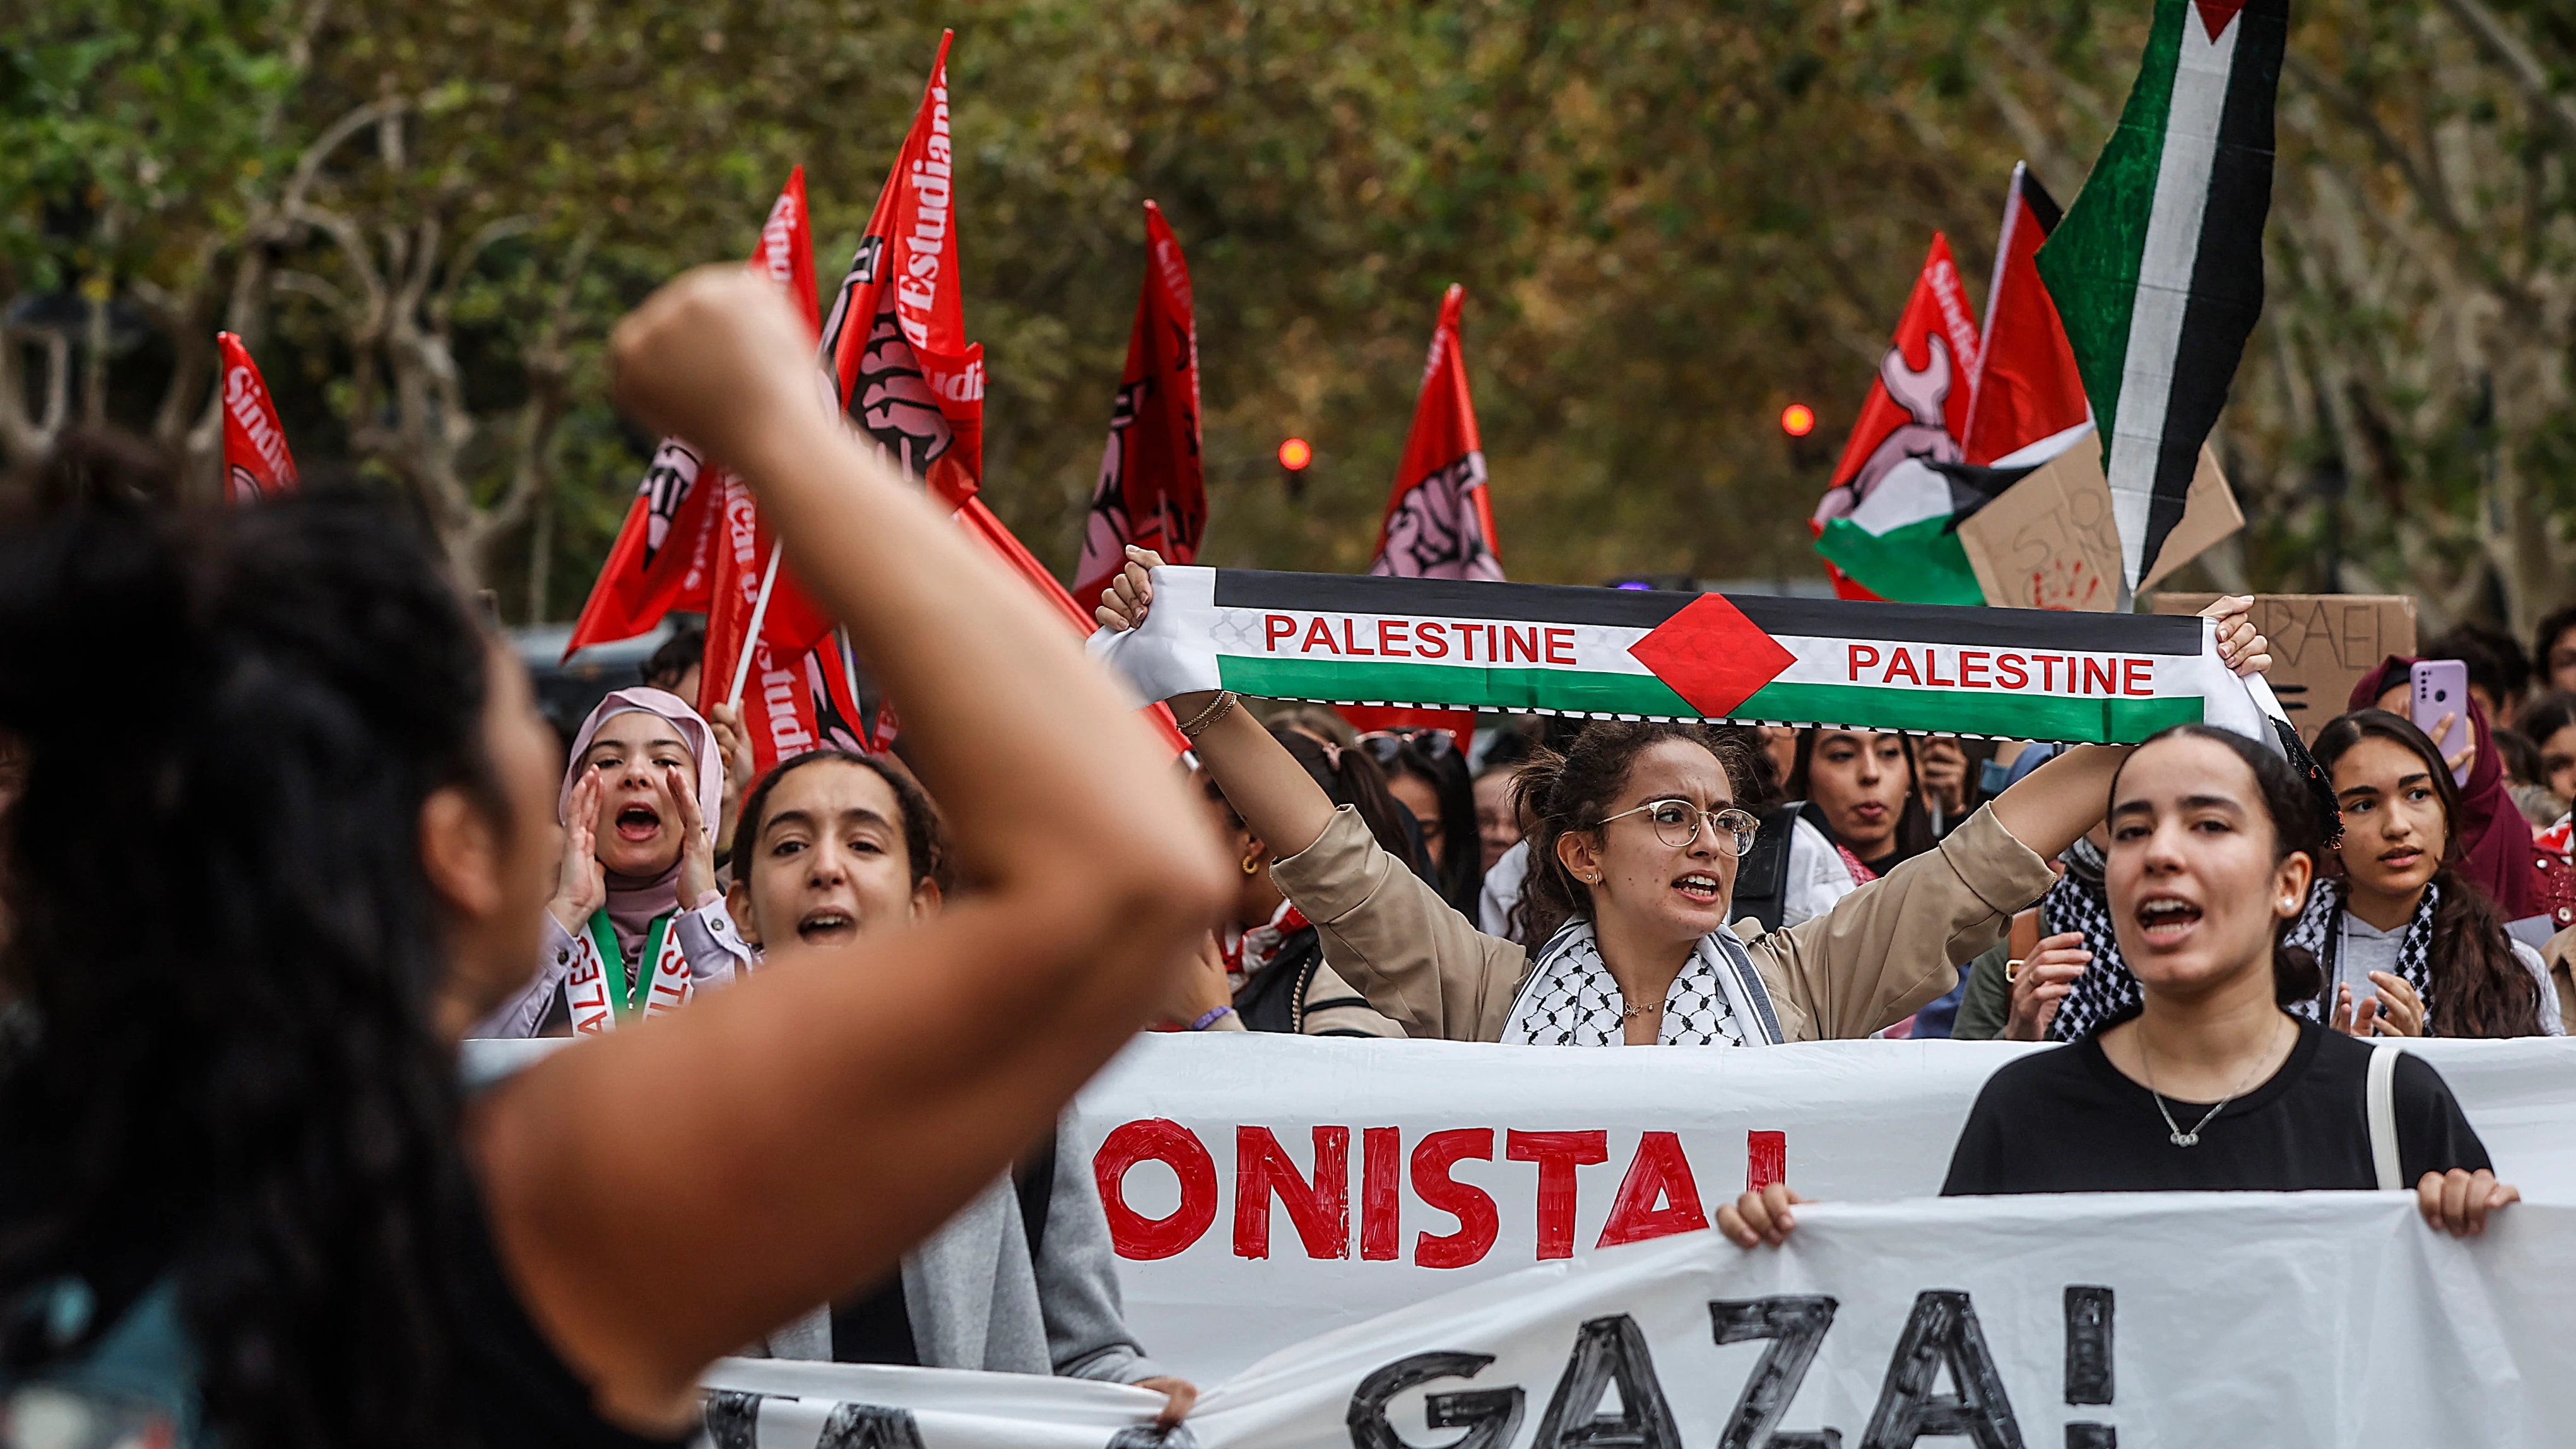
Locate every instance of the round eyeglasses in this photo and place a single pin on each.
(1677, 824)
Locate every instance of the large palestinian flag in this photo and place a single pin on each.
(2018, 673)
(2157, 270)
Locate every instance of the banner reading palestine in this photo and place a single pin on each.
(2010, 673)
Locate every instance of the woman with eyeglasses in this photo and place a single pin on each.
(1427, 774)
(1633, 858)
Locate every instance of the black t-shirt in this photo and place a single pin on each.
(511, 1389)
(2066, 1120)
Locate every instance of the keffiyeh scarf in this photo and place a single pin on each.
(1570, 998)
(2320, 928)
(2106, 990)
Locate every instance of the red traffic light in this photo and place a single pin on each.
(1797, 420)
(1295, 454)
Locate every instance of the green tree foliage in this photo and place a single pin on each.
(1671, 219)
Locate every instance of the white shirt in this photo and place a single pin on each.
(2364, 948)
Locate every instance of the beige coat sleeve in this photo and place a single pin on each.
(1896, 943)
(1392, 936)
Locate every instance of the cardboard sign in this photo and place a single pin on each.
(2050, 542)
(2322, 644)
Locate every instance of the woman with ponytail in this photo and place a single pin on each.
(2210, 1082)
(2409, 947)
(1637, 833)
(266, 870)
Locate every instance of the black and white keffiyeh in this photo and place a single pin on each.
(2079, 903)
(2321, 928)
(1570, 998)
(2106, 990)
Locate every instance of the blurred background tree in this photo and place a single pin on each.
(1672, 219)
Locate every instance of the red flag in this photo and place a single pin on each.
(665, 551)
(896, 340)
(1152, 491)
(256, 463)
(1916, 409)
(1439, 522)
(979, 521)
(2025, 387)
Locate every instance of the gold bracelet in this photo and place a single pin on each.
(1226, 699)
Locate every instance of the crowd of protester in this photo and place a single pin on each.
(316, 815)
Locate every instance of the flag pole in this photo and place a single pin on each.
(751, 635)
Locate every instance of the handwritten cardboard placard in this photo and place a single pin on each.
(2050, 542)
(2322, 644)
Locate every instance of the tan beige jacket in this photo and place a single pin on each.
(1876, 958)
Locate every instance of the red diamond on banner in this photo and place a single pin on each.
(1712, 655)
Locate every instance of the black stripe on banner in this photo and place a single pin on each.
(1645, 608)
(2227, 272)
(1446, 598)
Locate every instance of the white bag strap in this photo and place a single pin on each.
(2381, 1101)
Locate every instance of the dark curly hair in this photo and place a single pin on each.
(226, 952)
(1570, 792)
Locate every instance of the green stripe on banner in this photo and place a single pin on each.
(1921, 563)
(2074, 718)
(2098, 719)
(1562, 691)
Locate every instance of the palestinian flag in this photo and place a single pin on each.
(895, 344)
(1888, 524)
(666, 550)
(2017, 673)
(2158, 267)
(1153, 489)
(2025, 388)
(256, 463)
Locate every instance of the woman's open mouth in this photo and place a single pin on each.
(1698, 887)
(638, 823)
(827, 926)
(2404, 857)
(2166, 920)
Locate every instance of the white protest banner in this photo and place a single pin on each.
(1447, 1162)
(2145, 1321)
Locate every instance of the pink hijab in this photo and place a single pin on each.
(634, 901)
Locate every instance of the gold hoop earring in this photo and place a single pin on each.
(1252, 865)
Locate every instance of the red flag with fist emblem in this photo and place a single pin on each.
(1152, 490)
(1439, 522)
(666, 551)
(256, 463)
(896, 340)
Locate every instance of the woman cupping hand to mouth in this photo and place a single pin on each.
(636, 924)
